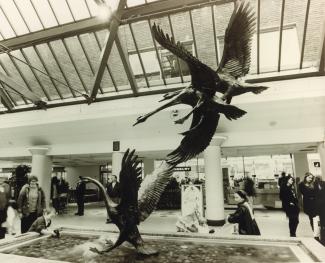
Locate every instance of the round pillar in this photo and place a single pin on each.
(116, 163)
(42, 168)
(215, 214)
(321, 151)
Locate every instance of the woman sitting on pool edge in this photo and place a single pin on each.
(243, 215)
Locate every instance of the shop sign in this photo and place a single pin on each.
(316, 164)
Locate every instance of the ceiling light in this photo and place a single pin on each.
(104, 12)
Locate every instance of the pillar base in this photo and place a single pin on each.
(216, 222)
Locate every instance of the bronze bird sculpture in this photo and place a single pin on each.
(205, 82)
(131, 210)
(234, 64)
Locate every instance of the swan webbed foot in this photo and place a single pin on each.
(146, 250)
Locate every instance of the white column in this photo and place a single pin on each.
(321, 151)
(116, 163)
(148, 166)
(42, 168)
(300, 165)
(215, 214)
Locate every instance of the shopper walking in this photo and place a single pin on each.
(244, 215)
(80, 192)
(290, 204)
(31, 203)
(308, 192)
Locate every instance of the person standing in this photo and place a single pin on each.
(80, 192)
(4, 201)
(290, 204)
(249, 189)
(31, 203)
(320, 206)
(113, 191)
(282, 179)
(308, 191)
(54, 193)
(244, 215)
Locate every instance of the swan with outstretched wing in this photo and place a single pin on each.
(131, 210)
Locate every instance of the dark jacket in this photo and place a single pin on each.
(23, 201)
(289, 200)
(4, 195)
(80, 189)
(320, 202)
(247, 224)
(114, 192)
(38, 225)
(308, 199)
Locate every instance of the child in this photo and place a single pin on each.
(41, 224)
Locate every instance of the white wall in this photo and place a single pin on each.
(73, 174)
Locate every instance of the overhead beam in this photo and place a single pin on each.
(150, 10)
(126, 65)
(115, 21)
(21, 90)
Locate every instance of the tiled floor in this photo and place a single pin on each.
(272, 223)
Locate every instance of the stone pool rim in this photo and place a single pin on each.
(309, 246)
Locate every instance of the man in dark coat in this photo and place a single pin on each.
(113, 191)
(80, 192)
(4, 200)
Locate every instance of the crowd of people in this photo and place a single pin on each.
(30, 207)
(312, 190)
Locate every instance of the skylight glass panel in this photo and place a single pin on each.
(29, 15)
(5, 29)
(135, 2)
(92, 6)
(44, 12)
(78, 9)
(61, 11)
(11, 12)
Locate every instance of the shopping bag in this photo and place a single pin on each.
(316, 225)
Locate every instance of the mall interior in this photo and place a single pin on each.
(76, 74)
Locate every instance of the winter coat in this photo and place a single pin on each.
(289, 201)
(308, 199)
(38, 225)
(114, 192)
(80, 190)
(245, 219)
(22, 201)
